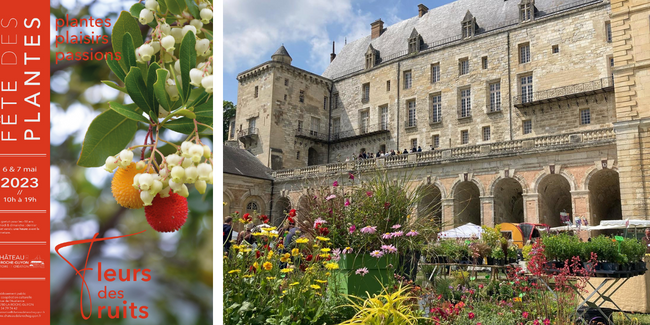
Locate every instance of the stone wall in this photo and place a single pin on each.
(239, 191)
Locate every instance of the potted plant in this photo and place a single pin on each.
(478, 250)
(498, 255)
(513, 252)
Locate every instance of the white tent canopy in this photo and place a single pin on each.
(607, 224)
(466, 231)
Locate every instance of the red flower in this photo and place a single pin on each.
(246, 218)
(351, 176)
(324, 231)
(524, 314)
(547, 321)
(470, 315)
(292, 212)
(258, 254)
(264, 218)
(309, 257)
(386, 205)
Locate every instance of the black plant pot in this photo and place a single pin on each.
(408, 264)
(490, 261)
(608, 266)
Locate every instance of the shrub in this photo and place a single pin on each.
(385, 309)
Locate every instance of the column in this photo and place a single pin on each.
(447, 213)
(580, 202)
(531, 208)
(487, 211)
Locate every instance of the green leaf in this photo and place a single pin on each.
(193, 9)
(125, 23)
(163, 7)
(128, 51)
(151, 80)
(173, 6)
(185, 112)
(131, 111)
(183, 125)
(188, 62)
(200, 99)
(207, 32)
(204, 112)
(135, 10)
(137, 89)
(181, 4)
(159, 89)
(107, 135)
(114, 65)
(114, 85)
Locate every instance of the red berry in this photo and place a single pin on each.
(167, 214)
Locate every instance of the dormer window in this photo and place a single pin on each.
(469, 25)
(526, 10)
(414, 42)
(371, 57)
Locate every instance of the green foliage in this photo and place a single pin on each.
(188, 61)
(388, 308)
(131, 111)
(633, 249)
(125, 24)
(498, 253)
(492, 236)
(526, 252)
(229, 111)
(453, 249)
(107, 135)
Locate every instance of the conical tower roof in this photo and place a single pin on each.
(281, 51)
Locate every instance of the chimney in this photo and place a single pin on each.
(422, 9)
(376, 28)
(333, 55)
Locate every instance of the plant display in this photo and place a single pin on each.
(168, 75)
(388, 308)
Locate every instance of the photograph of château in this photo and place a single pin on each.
(501, 111)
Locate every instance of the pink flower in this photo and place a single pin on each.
(369, 229)
(397, 234)
(319, 222)
(330, 197)
(396, 226)
(524, 314)
(536, 322)
(389, 248)
(369, 194)
(547, 321)
(347, 202)
(351, 176)
(347, 250)
(412, 233)
(470, 315)
(335, 184)
(352, 228)
(377, 254)
(387, 236)
(362, 271)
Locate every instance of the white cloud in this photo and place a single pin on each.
(253, 29)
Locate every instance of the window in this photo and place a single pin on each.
(370, 60)
(435, 141)
(407, 79)
(467, 28)
(527, 125)
(526, 11)
(411, 117)
(257, 92)
(464, 137)
(611, 66)
(414, 143)
(297, 154)
(325, 103)
(414, 44)
(364, 119)
(336, 127)
(436, 108)
(465, 102)
(495, 97)
(526, 89)
(251, 125)
(463, 66)
(524, 53)
(486, 133)
(252, 206)
(232, 129)
(302, 96)
(384, 117)
(286, 82)
(435, 72)
(585, 116)
(387, 85)
(335, 98)
(484, 62)
(299, 126)
(315, 126)
(365, 94)
(285, 97)
(555, 49)
(608, 31)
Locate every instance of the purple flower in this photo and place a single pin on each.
(347, 250)
(412, 233)
(352, 228)
(332, 196)
(362, 271)
(351, 176)
(336, 254)
(397, 234)
(347, 202)
(396, 226)
(387, 236)
(335, 184)
(319, 222)
(389, 248)
(377, 254)
(369, 194)
(369, 229)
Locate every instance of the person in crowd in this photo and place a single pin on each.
(419, 149)
(646, 240)
(405, 151)
(227, 234)
(432, 148)
(247, 235)
(392, 152)
(289, 239)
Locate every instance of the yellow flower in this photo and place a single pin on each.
(295, 252)
(325, 250)
(321, 281)
(302, 240)
(280, 246)
(332, 266)
(327, 274)
(267, 266)
(236, 247)
(322, 238)
(272, 235)
(516, 299)
(315, 286)
(257, 234)
(284, 292)
(247, 250)
(234, 271)
(256, 266)
(408, 216)
(324, 255)
(287, 270)
(295, 284)
(270, 278)
(269, 229)
(248, 276)
(269, 255)
(285, 258)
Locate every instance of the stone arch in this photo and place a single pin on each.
(302, 208)
(554, 196)
(251, 201)
(280, 208)
(590, 173)
(430, 205)
(604, 196)
(467, 203)
(476, 182)
(508, 198)
(313, 157)
(520, 179)
(568, 176)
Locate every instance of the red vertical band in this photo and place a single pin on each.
(24, 163)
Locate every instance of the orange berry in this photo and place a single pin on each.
(122, 187)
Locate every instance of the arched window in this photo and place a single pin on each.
(252, 206)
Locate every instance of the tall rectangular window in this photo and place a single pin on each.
(608, 31)
(435, 141)
(335, 98)
(384, 117)
(302, 96)
(414, 143)
(486, 133)
(251, 125)
(407, 80)
(336, 127)
(463, 66)
(232, 129)
(387, 85)
(495, 97)
(435, 72)
(365, 95)
(585, 116)
(412, 114)
(526, 89)
(315, 126)
(286, 82)
(364, 119)
(299, 126)
(325, 103)
(256, 91)
(524, 53)
(525, 12)
(465, 102)
(436, 108)
(467, 29)
(527, 126)
(464, 137)
(484, 62)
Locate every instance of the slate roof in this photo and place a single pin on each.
(281, 51)
(438, 24)
(240, 162)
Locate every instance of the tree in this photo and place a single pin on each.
(229, 110)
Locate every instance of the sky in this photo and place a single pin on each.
(254, 29)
